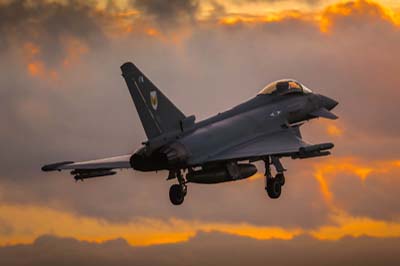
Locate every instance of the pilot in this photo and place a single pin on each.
(282, 87)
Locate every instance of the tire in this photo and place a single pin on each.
(176, 194)
(281, 178)
(274, 188)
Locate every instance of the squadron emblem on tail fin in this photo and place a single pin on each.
(153, 99)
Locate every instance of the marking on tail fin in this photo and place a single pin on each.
(147, 106)
(154, 100)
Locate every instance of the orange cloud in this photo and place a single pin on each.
(325, 18)
(36, 67)
(74, 49)
(334, 130)
(268, 18)
(152, 32)
(31, 49)
(325, 172)
(346, 225)
(119, 23)
(353, 8)
(126, 13)
(29, 222)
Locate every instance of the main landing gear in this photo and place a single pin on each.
(177, 192)
(273, 185)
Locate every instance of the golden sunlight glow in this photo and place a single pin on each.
(256, 232)
(126, 14)
(272, 17)
(346, 225)
(325, 191)
(334, 130)
(29, 222)
(152, 32)
(358, 7)
(256, 176)
(126, 20)
(325, 172)
(324, 18)
(73, 50)
(36, 67)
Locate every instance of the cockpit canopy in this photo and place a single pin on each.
(284, 86)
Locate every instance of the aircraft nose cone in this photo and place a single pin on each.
(327, 102)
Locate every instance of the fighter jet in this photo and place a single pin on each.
(218, 149)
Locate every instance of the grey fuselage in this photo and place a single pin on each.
(197, 142)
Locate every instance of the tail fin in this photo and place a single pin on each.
(157, 113)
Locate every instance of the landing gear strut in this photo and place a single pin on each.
(177, 192)
(273, 185)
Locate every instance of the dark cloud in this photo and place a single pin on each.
(206, 248)
(167, 12)
(39, 35)
(49, 25)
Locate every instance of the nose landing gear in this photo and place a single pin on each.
(273, 185)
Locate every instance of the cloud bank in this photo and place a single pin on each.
(206, 248)
(62, 97)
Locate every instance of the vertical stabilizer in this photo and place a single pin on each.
(157, 113)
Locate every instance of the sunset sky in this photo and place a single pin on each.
(62, 97)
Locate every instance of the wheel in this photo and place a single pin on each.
(274, 188)
(281, 178)
(176, 194)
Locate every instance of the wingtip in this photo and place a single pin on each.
(46, 168)
(54, 166)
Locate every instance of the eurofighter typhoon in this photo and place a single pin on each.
(218, 149)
